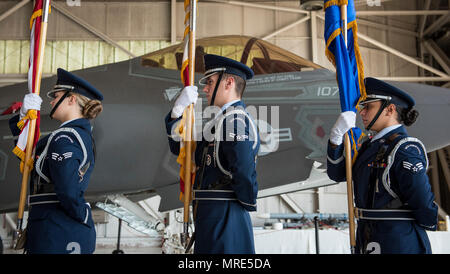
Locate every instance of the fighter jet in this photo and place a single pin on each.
(294, 101)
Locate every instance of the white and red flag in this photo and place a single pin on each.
(24, 123)
(187, 81)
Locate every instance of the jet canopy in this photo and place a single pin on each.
(263, 57)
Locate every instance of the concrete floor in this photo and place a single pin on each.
(107, 250)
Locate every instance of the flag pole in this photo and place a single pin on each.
(351, 209)
(29, 148)
(189, 117)
(348, 157)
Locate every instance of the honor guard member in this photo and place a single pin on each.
(60, 220)
(393, 198)
(225, 187)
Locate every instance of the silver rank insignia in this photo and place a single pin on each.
(413, 167)
(60, 157)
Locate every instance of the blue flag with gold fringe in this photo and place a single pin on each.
(346, 59)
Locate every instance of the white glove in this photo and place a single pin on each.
(344, 123)
(30, 101)
(188, 96)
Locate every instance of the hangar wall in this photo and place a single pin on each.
(138, 26)
(71, 54)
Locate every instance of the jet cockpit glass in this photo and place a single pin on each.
(261, 56)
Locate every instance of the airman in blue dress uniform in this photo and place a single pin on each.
(60, 220)
(225, 187)
(393, 198)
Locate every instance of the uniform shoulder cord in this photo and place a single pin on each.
(378, 163)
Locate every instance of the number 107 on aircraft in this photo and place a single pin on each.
(327, 91)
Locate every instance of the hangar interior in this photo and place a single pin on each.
(400, 40)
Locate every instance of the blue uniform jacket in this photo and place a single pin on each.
(224, 226)
(62, 224)
(404, 186)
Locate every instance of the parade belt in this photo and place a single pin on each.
(225, 195)
(45, 198)
(384, 214)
